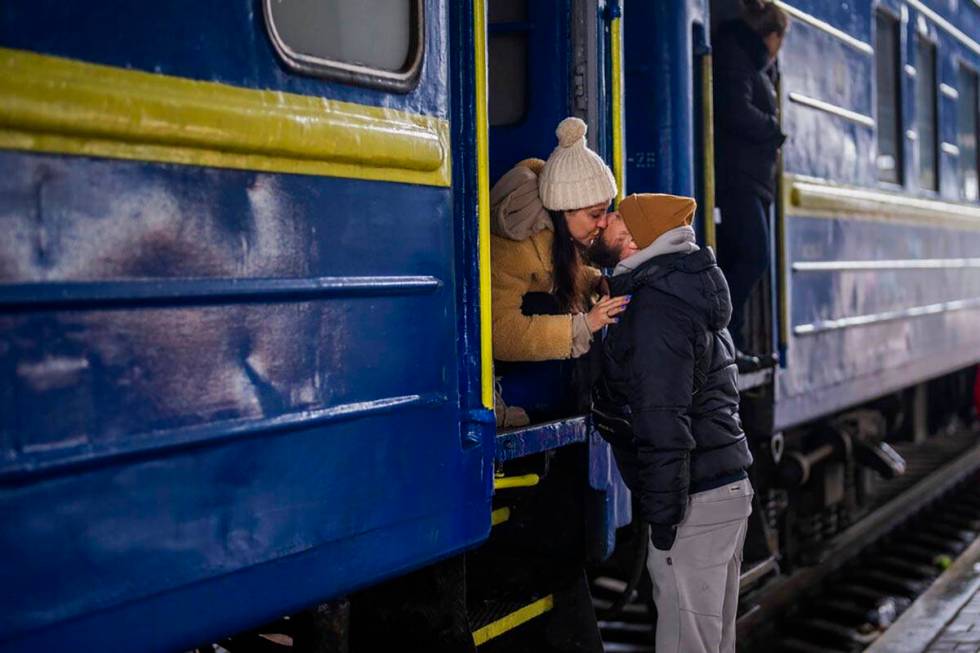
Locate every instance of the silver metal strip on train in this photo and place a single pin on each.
(903, 264)
(885, 316)
(827, 28)
(945, 25)
(827, 107)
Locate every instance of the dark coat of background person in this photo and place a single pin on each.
(747, 133)
(667, 399)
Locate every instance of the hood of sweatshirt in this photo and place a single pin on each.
(693, 278)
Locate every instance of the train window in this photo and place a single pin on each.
(926, 101)
(968, 105)
(376, 43)
(889, 105)
(508, 79)
(507, 52)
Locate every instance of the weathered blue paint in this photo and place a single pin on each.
(537, 438)
(219, 383)
(830, 370)
(191, 366)
(659, 78)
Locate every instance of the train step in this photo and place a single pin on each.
(492, 618)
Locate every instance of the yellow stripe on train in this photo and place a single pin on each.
(63, 106)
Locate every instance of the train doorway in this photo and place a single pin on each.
(756, 332)
(546, 61)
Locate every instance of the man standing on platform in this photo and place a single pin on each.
(667, 401)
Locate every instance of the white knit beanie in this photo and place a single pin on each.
(574, 176)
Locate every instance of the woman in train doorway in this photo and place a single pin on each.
(747, 142)
(544, 215)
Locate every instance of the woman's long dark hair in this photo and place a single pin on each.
(566, 259)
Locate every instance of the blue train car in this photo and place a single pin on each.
(879, 272)
(239, 312)
(243, 298)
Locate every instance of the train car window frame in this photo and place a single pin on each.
(508, 21)
(923, 75)
(963, 99)
(894, 60)
(400, 81)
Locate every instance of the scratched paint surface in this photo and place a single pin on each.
(833, 369)
(181, 467)
(87, 384)
(834, 360)
(140, 370)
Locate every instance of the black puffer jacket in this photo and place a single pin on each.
(667, 399)
(747, 134)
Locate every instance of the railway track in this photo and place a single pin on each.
(860, 581)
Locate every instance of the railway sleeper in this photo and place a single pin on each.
(952, 531)
(831, 632)
(851, 612)
(794, 645)
(920, 554)
(890, 582)
(906, 567)
(872, 594)
(626, 632)
(939, 543)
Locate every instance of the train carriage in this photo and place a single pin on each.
(879, 207)
(240, 303)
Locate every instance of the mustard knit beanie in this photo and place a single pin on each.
(574, 177)
(650, 215)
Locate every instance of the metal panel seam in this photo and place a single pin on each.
(214, 433)
(175, 292)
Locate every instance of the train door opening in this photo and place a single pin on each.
(758, 329)
(530, 60)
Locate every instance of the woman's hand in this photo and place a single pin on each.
(605, 312)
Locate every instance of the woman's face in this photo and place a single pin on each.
(773, 41)
(585, 224)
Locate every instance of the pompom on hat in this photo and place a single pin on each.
(574, 177)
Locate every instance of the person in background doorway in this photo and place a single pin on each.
(667, 402)
(747, 143)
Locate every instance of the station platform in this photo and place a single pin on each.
(946, 618)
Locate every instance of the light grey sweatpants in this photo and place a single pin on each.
(695, 584)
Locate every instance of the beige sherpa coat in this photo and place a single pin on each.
(520, 255)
